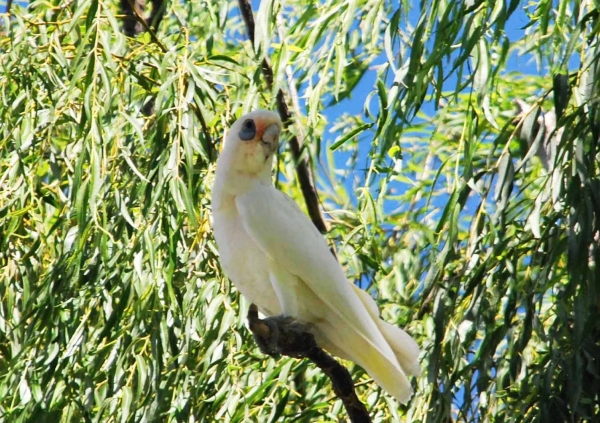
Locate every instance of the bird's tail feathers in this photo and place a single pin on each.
(344, 341)
(387, 364)
(405, 348)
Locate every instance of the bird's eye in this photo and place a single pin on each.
(248, 131)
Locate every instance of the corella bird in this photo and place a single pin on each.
(279, 261)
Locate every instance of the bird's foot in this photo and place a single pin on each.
(267, 341)
(280, 335)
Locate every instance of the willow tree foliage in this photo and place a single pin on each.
(455, 149)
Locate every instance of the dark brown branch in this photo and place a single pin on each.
(159, 7)
(135, 23)
(248, 16)
(282, 335)
(305, 178)
(132, 25)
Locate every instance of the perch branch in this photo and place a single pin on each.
(281, 335)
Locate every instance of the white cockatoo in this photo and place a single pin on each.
(279, 261)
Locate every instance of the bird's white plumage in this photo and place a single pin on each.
(279, 261)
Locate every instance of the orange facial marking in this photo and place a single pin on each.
(260, 127)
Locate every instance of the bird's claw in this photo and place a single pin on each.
(279, 335)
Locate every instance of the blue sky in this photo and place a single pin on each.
(354, 105)
(517, 62)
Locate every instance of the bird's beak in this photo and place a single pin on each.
(270, 138)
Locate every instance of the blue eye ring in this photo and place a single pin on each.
(248, 131)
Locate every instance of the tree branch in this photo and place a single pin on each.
(135, 23)
(303, 172)
(159, 7)
(282, 335)
(133, 10)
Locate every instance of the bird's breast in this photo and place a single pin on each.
(245, 264)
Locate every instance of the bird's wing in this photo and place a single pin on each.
(288, 237)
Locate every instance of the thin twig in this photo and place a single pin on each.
(280, 335)
(303, 172)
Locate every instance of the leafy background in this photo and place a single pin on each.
(475, 227)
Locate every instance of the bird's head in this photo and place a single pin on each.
(252, 142)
